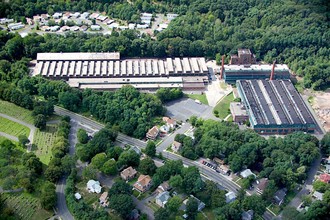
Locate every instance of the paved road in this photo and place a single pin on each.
(8, 136)
(144, 208)
(169, 139)
(31, 127)
(96, 126)
(62, 209)
(296, 201)
(205, 171)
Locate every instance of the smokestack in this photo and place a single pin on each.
(222, 66)
(273, 71)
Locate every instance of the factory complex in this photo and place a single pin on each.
(108, 71)
(244, 67)
(275, 107)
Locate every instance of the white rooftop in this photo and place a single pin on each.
(77, 56)
(246, 173)
(260, 67)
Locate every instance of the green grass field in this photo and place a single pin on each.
(16, 111)
(3, 138)
(13, 128)
(45, 140)
(223, 106)
(199, 97)
(25, 206)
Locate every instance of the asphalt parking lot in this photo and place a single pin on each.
(183, 108)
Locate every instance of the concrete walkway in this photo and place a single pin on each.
(31, 127)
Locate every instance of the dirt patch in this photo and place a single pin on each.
(321, 104)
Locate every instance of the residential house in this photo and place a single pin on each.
(142, 26)
(246, 173)
(128, 174)
(102, 18)
(230, 197)
(77, 196)
(6, 20)
(170, 17)
(67, 15)
(176, 146)
(136, 149)
(94, 186)
(45, 16)
(327, 168)
(279, 196)
(165, 186)
(247, 215)
(134, 215)
(324, 178)
(83, 28)
(143, 184)
(147, 15)
(104, 199)
(65, 28)
(54, 28)
(74, 28)
(57, 15)
(113, 25)
(75, 15)
(262, 185)
(170, 122)
(164, 129)
(131, 26)
(109, 21)
(29, 21)
(201, 205)
(318, 196)
(123, 27)
(84, 15)
(16, 26)
(152, 133)
(224, 169)
(94, 15)
(162, 198)
(95, 27)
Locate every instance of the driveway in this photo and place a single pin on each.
(141, 205)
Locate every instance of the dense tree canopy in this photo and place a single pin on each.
(284, 160)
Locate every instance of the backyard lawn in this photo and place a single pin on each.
(44, 140)
(16, 111)
(223, 106)
(13, 128)
(25, 206)
(199, 97)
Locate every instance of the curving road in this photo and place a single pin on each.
(62, 209)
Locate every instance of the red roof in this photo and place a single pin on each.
(324, 178)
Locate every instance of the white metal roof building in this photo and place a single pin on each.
(108, 71)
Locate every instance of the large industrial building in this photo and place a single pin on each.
(108, 71)
(232, 73)
(275, 107)
(243, 67)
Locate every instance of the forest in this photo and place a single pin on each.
(293, 32)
